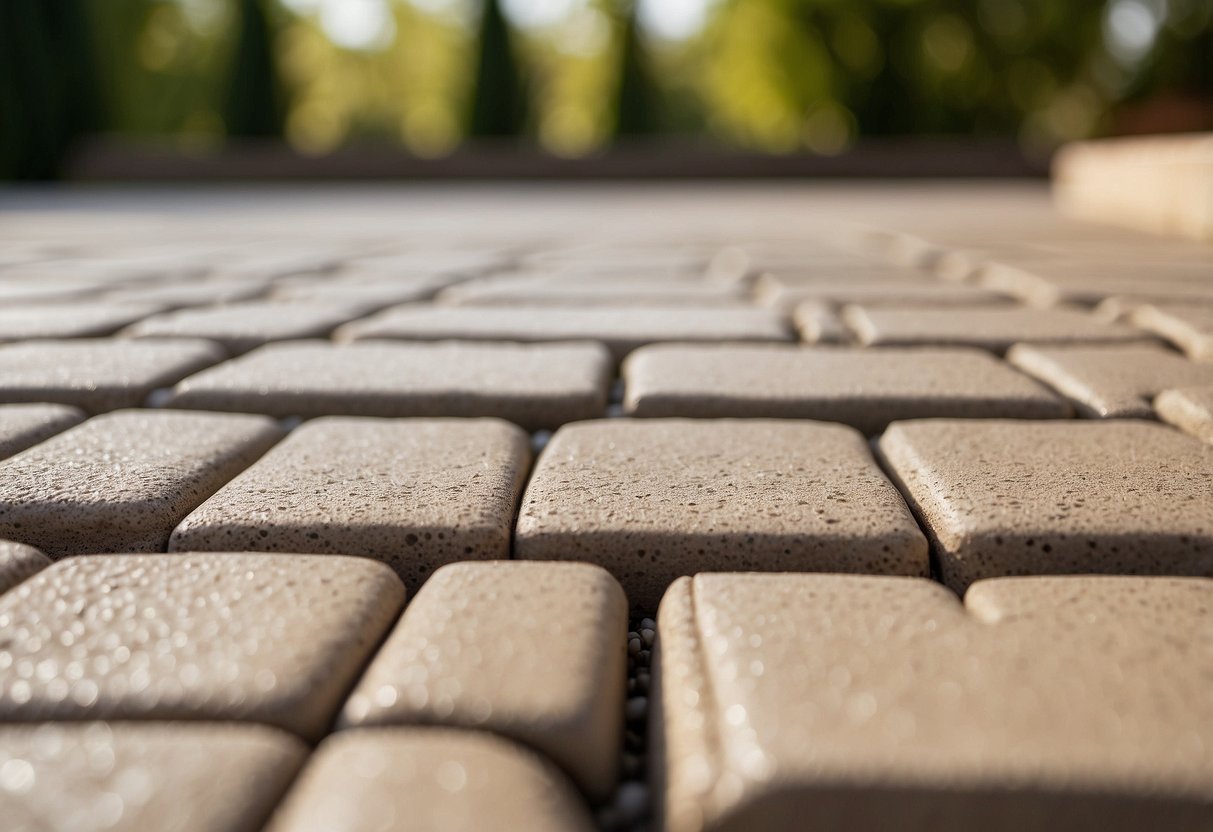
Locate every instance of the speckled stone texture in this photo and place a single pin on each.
(240, 327)
(98, 374)
(531, 651)
(429, 779)
(123, 481)
(1188, 326)
(130, 778)
(270, 639)
(23, 425)
(25, 322)
(871, 703)
(536, 386)
(863, 387)
(1190, 409)
(991, 328)
(621, 329)
(413, 493)
(1019, 498)
(1110, 381)
(18, 562)
(657, 499)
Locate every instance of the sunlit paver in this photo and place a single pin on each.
(1188, 326)
(1050, 283)
(652, 500)
(123, 481)
(240, 327)
(1189, 408)
(1002, 497)
(18, 562)
(787, 293)
(23, 425)
(413, 493)
(85, 319)
(872, 703)
(271, 639)
(557, 290)
(128, 777)
(532, 651)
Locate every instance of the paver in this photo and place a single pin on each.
(534, 385)
(18, 562)
(1002, 497)
(358, 295)
(531, 651)
(23, 425)
(25, 322)
(651, 500)
(240, 327)
(427, 779)
(862, 387)
(1048, 284)
(193, 293)
(786, 294)
(1110, 381)
(818, 323)
(991, 328)
(40, 291)
(99, 374)
(413, 493)
(872, 703)
(1190, 409)
(615, 291)
(1188, 326)
(128, 777)
(124, 480)
(269, 639)
(621, 329)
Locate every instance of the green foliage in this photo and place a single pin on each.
(635, 103)
(254, 106)
(499, 100)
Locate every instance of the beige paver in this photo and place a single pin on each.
(534, 385)
(1110, 381)
(18, 562)
(787, 294)
(23, 425)
(531, 651)
(863, 387)
(98, 374)
(1188, 326)
(25, 322)
(192, 293)
(818, 323)
(428, 779)
(124, 480)
(991, 328)
(557, 290)
(872, 703)
(651, 500)
(270, 639)
(621, 329)
(413, 493)
(1048, 283)
(128, 778)
(1017, 498)
(360, 295)
(240, 327)
(1189, 408)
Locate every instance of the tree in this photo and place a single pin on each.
(635, 103)
(499, 105)
(254, 106)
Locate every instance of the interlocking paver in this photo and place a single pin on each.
(1188, 408)
(240, 327)
(873, 703)
(1079, 282)
(429, 778)
(787, 294)
(42, 291)
(18, 562)
(563, 291)
(991, 328)
(413, 493)
(98, 374)
(863, 387)
(621, 329)
(193, 293)
(23, 425)
(124, 480)
(652, 500)
(1110, 381)
(25, 322)
(818, 323)
(128, 777)
(1005, 497)
(358, 295)
(531, 651)
(534, 385)
(270, 639)
(1188, 326)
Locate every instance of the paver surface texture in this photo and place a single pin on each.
(641, 508)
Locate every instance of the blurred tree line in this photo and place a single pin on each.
(773, 75)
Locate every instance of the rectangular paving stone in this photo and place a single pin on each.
(1081, 282)
(128, 777)
(429, 778)
(652, 500)
(413, 493)
(240, 327)
(26, 322)
(18, 562)
(124, 480)
(1187, 326)
(786, 295)
(1110, 381)
(363, 296)
(532, 651)
(271, 639)
(991, 328)
(555, 290)
(171, 295)
(863, 387)
(99, 374)
(1189, 408)
(23, 425)
(621, 329)
(1004, 497)
(875, 703)
(818, 323)
(534, 385)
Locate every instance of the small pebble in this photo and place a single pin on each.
(632, 801)
(637, 709)
(635, 646)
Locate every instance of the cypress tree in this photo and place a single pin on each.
(254, 105)
(635, 102)
(499, 105)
